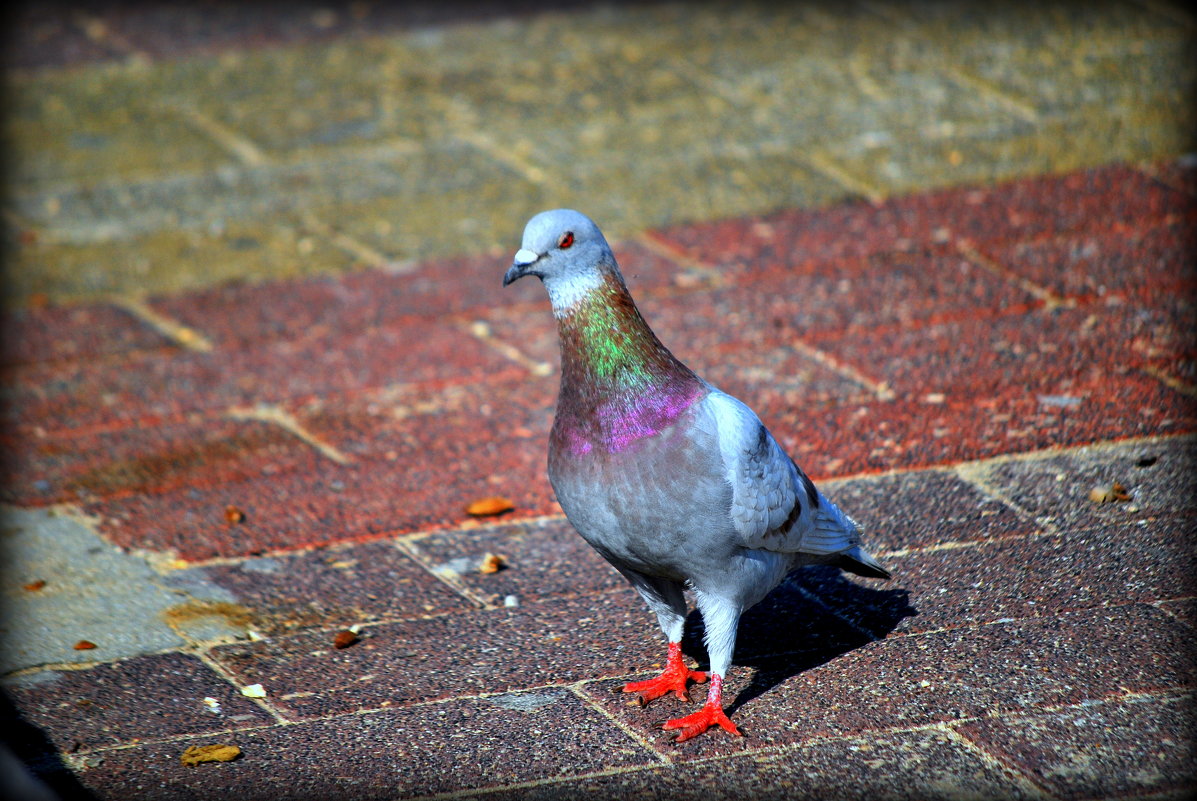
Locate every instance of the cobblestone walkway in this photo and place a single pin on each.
(257, 362)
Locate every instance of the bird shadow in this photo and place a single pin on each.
(811, 618)
(34, 754)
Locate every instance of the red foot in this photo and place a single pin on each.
(711, 714)
(672, 679)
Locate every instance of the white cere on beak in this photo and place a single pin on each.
(524, 257)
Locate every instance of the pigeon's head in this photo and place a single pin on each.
(564, 249)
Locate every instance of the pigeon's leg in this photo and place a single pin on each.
(666, 599)
(720, 617)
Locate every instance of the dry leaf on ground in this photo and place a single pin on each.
(1109, 494)
(209, 753)
(344, 638)
(492, 563)
(485, 507)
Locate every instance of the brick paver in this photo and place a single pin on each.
(256, 346)
(1018, 605)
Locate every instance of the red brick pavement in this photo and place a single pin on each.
(922, 331)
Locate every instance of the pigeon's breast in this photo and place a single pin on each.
(659, 507)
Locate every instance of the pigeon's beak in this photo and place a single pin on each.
(524, 259)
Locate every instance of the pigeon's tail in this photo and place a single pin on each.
(859, 561)
(838, 536)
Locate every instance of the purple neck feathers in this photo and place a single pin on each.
(619, 384)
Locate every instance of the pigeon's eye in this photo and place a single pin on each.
(566, 240)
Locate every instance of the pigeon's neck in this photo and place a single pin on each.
(618, 382)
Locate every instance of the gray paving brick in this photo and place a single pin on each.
(1139, 746)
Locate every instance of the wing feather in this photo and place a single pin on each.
(774, 506)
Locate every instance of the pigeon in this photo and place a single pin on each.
(677, 484)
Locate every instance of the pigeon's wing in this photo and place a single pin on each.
(775, 506)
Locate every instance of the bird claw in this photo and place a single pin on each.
(672, 679)
(700, 721)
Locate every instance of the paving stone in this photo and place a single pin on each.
(93, 262)
(1018, 210)
(102, 706)
(1051, 351)
(461, 653)
(1180, 174)
(225, 28)
(1157, 474)
(1037, 576)
(923, 508)
(791, 301)
(931, 678)
(303, 100)
(1184, 610)
(916, 765)
(996, 392)
(899, 113)
(326, 588)
(72, 467)
(542, 559)
(64, 333)
(992, 153)
(246, 314)
(1118, 748)
(356, 192)
(441, 201)
(561, 641)
(643, 170)
(1093, 38)
(88, 125)
(330, 503)
(92, 592)
(1097, 264)
(151, 386)
(804, 239)
(478, 743)
(1156, 330)
(874, 436)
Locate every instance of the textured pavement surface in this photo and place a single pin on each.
(256, 363)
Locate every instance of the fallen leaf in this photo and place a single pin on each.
(209, 753)
(233, 515)
(84, 645)
(186, 335)
(254, 691)
(491, 563)
(34, 586)
(485, 507)
(344, 639)
(1114, 493)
